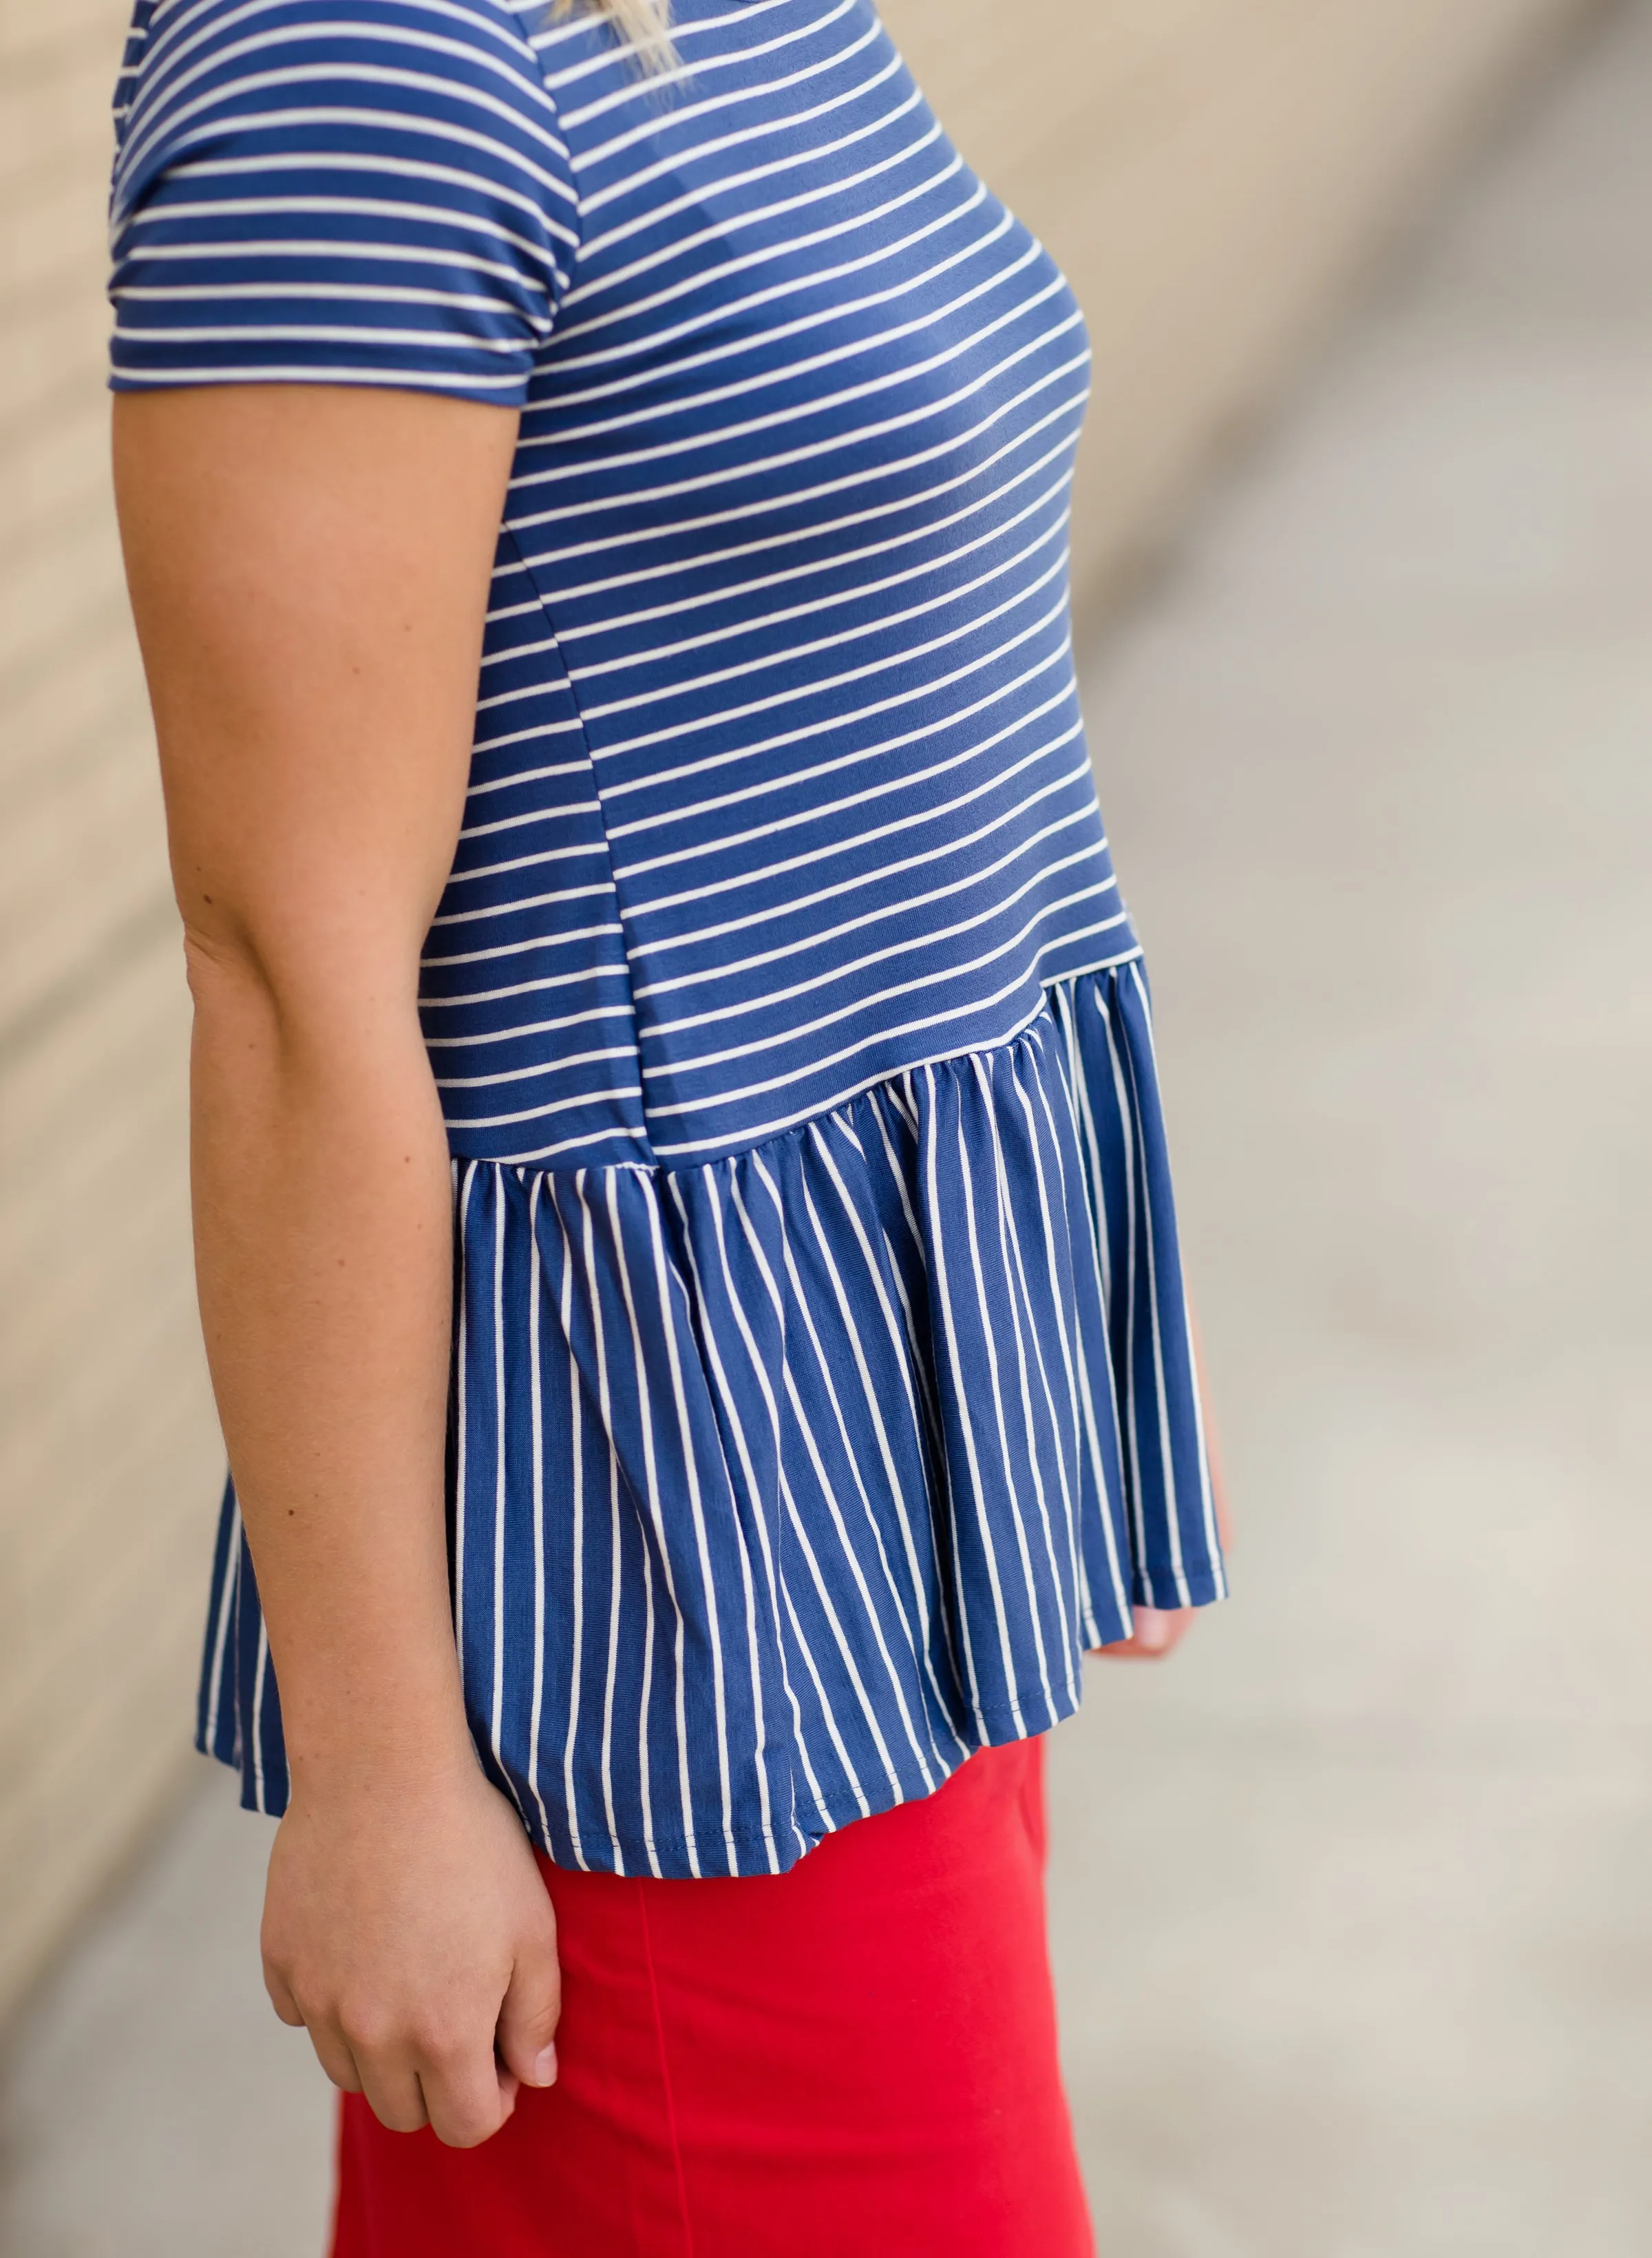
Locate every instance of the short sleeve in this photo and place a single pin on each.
(365, 192)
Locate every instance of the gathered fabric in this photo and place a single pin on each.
(781, 1483)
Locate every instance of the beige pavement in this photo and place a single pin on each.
(1353, 1905)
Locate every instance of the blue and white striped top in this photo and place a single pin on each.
(822, 1376)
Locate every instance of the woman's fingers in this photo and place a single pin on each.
(446, 2079)
(280, 1998)
(1156, 1632)
(465, 2096)
(527, 2017)
(453, 2083)
(333, 2052)
(1159, 1630)
(392, 2087)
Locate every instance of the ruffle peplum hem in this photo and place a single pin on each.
(783, 1482)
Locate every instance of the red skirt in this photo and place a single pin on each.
(855, 2059)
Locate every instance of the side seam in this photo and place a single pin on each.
(665, 2067)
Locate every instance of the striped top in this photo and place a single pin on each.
(822, 1378)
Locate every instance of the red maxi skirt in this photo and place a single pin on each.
(855, 2059)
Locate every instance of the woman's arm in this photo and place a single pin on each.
(309, 571)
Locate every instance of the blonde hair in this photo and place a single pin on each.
(643, 25)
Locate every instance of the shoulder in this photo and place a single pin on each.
(172, 32)
(190, 63)
(433, 83)
(344, 190)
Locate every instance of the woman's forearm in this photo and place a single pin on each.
(323, 1246)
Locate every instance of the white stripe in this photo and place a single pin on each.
(675, 1068)
(390, 165)
(718, 196)
(931, 529)
(813, 410)
(761, 622)
(228, 1599)
(1011, 1262)
(811, 941)
(854, 718)
(261, 1675)
(772, 1407)
(764, 874)
(316, 372)
(1131, 1304)
(497, 1625)
(680, 115)
(918, 1618)
(650, 1504)
(772, 1287)
(768, 467)
(800, 278)
(563, 1064)
(729, 1401)
(1006, 1457)
(851, 1557)
(537, 1431)
(823, 1061)
(933, 725)
(845, 969)
(593, 1302)
(809, 151)
(786, 1121)
(663, 1283)
(1078, 1375)
(447, 217)
(461, 1483)
(956, 442)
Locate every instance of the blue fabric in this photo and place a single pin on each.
(822, 1380)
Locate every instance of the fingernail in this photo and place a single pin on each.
(1150, 1629)
(545, 2067)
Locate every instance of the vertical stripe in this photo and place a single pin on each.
(462, 1409)
(501, 1529)
(536, 1430)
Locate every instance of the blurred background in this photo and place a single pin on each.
(1353, 1903)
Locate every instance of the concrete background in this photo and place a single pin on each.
(1211, 171)
(1354, 1903)
(1352, 1924)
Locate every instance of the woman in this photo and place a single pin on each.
(680, 1183)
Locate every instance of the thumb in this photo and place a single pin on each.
(528, 2012)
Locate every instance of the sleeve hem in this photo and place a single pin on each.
(384, 380)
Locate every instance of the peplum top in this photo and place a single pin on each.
(822, 1379)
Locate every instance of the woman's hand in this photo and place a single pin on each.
(410, 1934)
